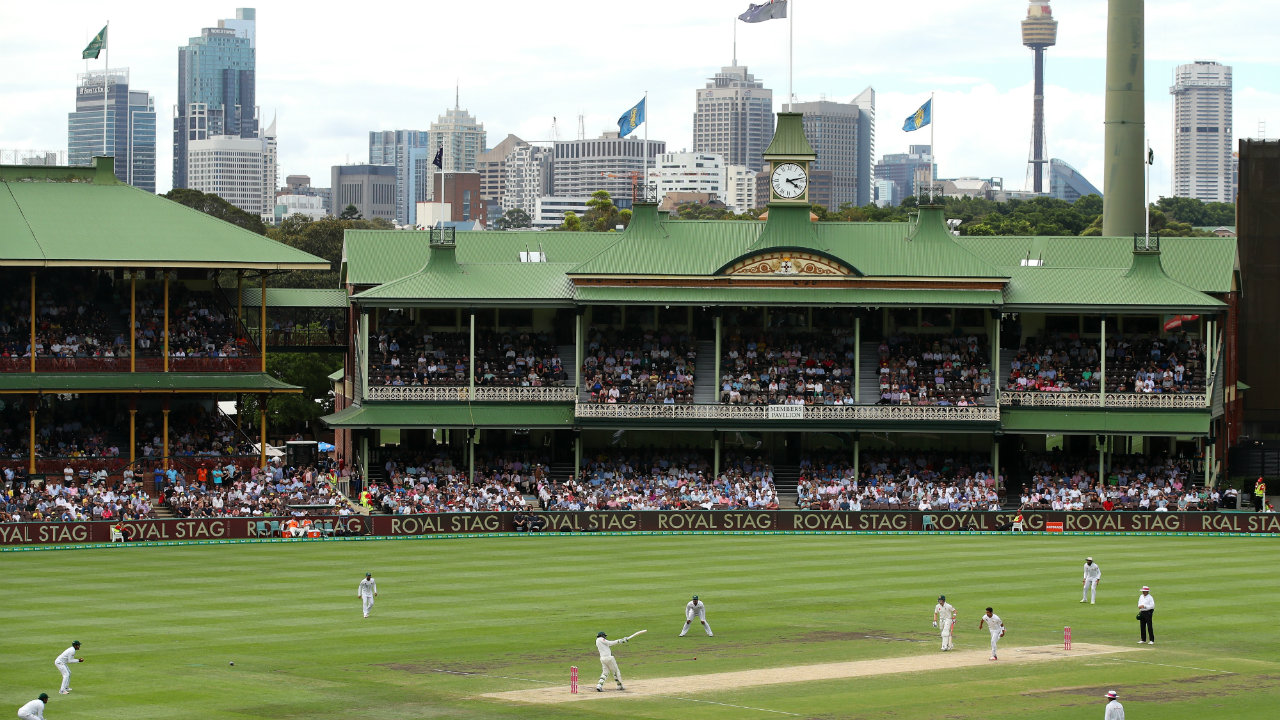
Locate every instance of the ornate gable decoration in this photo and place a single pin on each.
(788, 263)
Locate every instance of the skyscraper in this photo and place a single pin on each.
(392, 147)
(1039, 31)
(216, 87)
(906, 171)
(462, 138)
(608, 162)
(733, 117)
(241, 171)
(1203, 167)
(130, 133)
(1066, 183)
(841, 135)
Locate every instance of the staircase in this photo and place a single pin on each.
(706, 387)
(869, 373)
(568, 359)
(785, 479)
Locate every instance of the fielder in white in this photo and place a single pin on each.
(367, 591)
(1092, 574)
(996, 626)
(67, 656)
(33, 710)
(944, 618)
(696, 609)
(607, 663)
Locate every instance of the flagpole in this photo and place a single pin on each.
(1146, 199)
(933, 153)
(644, 179)
(791, 36)
(106, 84)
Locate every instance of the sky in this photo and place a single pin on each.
(331, 72)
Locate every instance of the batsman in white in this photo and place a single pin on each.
(67, 656)
(607, 663)
(367, 591)
(996, 626)
(696, 609)
(1092, 574)
(944, 618)
(33, 710)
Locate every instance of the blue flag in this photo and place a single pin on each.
(773, 9)
(919, 118)
(631, 119)
(439, 159)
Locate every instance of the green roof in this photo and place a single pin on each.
(373, 257)
(295, 297)
(142, 382)
(1206, 264)
(436, 415)
(790, 296)
(788, 137)
(85, 217)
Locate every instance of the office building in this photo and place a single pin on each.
(240, 170)
(130, 132)
(608, 162)
(461, 136)
(733, 117)
(1203, 167)
(457, 197)
(740, 188)
(528, 177)
(371, 189)
(216, 88)
(843, 136)
(549, 210)
(392, 147)
(492, 166)
(1066, 183)
(689, 172)
(907, 171)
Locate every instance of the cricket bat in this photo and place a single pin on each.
(638, 632)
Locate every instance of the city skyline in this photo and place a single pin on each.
(971, 58)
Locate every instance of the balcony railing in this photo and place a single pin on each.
(886, 413)
(1152, 401)
(462, 394)
(149, 363)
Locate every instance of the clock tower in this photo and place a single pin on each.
(789, 156)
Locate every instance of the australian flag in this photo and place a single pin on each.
(771, 10)
(439, 160)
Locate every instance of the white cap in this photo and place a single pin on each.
(1146, 589)
(1089, 559)
(1111, 694)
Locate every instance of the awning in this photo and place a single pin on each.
(142, 382)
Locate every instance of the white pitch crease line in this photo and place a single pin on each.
(1180, 667)
(499, 677)
(740, 707)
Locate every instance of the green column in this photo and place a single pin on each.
(995, 358)
(362, 350)
(715, 463)
(577, 456)
(472, 437)
(577, 354)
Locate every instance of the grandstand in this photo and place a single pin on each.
(789, 340)
(122, 325)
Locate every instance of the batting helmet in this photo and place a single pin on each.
(76, 643)
(695, 597)
(601, 634)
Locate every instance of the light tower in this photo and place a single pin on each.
(1039, 31)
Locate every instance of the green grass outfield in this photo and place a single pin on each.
(160, 625)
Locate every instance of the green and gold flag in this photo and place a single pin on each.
(96, 45)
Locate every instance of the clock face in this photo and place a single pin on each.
(789, 180)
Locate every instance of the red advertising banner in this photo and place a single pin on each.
(639, 521)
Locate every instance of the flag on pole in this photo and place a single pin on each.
(95, 45)
(920, 117)
(771, 10)
(439, 159)
(631, 119)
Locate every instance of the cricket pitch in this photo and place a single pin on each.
(652, 687)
